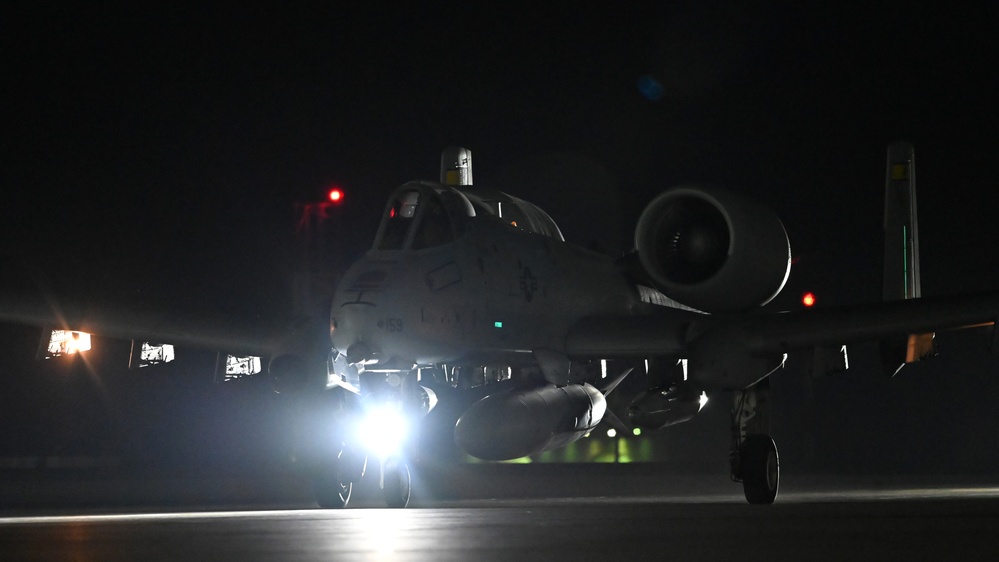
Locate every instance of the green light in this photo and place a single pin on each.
(636, 432)
(497, 324)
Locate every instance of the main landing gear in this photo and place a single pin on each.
(753, 456)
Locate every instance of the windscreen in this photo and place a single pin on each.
(399, 220)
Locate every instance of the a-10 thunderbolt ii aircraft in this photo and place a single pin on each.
(470, 298)
(472, 294)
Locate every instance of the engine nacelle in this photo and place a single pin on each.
(712, 249)
(524, 422)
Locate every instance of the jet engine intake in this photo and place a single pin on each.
(712, 249)
(524, 422)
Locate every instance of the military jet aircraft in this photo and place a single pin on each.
(469, 291)
(470, 298)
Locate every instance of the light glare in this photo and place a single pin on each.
(383, 430)
(66, 342)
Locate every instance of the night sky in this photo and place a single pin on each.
(161, 151)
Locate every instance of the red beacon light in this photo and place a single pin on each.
(808, 299)
(335, 195)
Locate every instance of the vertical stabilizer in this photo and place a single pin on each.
(901, 273)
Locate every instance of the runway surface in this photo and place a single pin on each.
(888, 523)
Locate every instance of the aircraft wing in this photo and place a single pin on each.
(850, 324)
(735, 338)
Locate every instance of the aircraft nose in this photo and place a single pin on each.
(359, 352)
(348, 326)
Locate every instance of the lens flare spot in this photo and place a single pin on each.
(651, 88)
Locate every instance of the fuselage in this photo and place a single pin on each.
(480, 289)
(459, 279)
(477, 288)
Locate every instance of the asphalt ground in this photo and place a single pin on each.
(492, 512)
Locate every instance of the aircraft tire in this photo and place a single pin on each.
(329, 491)
(398, 484)
(759, 468)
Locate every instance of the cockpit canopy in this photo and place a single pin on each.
(513, 211)
(418, 216)
(423, 215)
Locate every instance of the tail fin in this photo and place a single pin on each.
(901, 273)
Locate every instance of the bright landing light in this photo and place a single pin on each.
(383, 430)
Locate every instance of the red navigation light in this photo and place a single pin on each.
(808, 299)
(335, 195)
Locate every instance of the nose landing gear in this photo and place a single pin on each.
(332, 487)
(397, 483)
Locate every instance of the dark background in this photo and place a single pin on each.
(162, 153)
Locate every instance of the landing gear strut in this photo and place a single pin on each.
(753, 456)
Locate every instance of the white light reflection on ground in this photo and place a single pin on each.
(378, 534)
(382, 533)
(891, 494)
(381, 529)
(131, 517)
